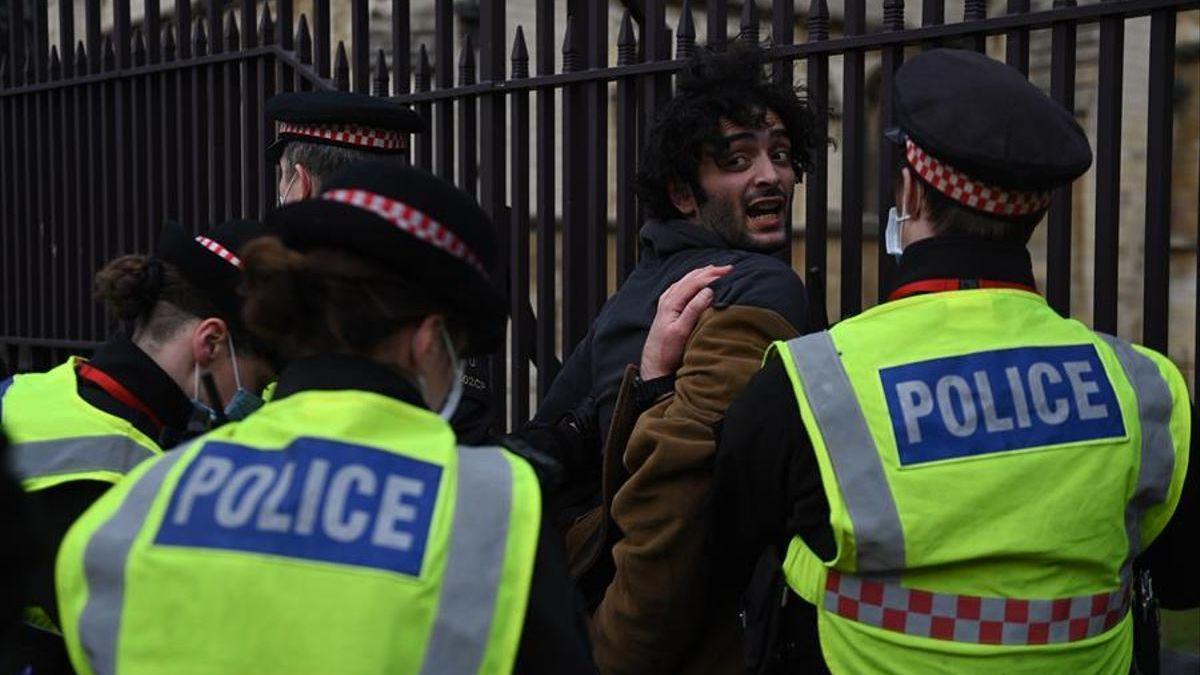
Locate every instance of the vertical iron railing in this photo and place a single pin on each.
(162, 117)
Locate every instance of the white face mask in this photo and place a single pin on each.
(891, 236)
(450, 404)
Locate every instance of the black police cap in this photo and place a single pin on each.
(422, 228)
(986, 120)
(343, 119)
(209, 262)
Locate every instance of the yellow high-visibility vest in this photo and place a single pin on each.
(56, 437)
(991, 470)
(330, 532)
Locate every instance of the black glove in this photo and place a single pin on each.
(564, 453)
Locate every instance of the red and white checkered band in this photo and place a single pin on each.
(966, 190)
(973, 619)
(348, 134)
(224, 253)
(409, 220)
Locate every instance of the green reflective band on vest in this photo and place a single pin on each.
(57, 437)
(991, 470)
(332, 531)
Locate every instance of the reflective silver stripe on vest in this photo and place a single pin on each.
(1157, 463)
(473, 568)
(104, 568)
(970, 618)
(878, 535)
(111, 452)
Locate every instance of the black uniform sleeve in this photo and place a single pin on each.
(554, 639)
(767, 486)
(58, 508)
(1172, 557)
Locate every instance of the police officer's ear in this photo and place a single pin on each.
(306, 183)
(428, 346)
(912, 195)
(209, 339)
(683, 198)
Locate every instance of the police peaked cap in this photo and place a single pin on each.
(420, 227)
(979, 132)
(358, 121)
(209, 262)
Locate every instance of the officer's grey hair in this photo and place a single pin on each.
(949, 218)
(323, 160)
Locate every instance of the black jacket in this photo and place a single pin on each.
(768, 486)
(669, 250)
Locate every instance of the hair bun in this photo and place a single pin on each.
(129, 285)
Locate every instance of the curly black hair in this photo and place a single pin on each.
(713, 86)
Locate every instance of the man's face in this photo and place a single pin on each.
(747, 183)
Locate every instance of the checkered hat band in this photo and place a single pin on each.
(973, 619)
(348, 134)
(970, 192)
(409, 220)
(224, 253)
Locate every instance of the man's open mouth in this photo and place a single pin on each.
(765, 212)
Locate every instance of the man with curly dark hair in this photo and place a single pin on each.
(717, 175)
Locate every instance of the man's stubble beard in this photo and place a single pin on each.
(718, 216)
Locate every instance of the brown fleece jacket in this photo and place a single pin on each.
(661, 613)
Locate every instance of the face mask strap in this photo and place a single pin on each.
(237, 380)
(450, 404)
(288, 190)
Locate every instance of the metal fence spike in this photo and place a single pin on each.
(570, 51)
(424, 74)
(749, 26)
(626, 41)
(893, 14)
(168, 41)
(520, 55)
(818, 21)
(466, 61)
(380, 81)
(341, 68)
(139, 46)
(304, 43)
(266, 27)
(233, 36)
(685, 33)
(110, 56)
(200, 38)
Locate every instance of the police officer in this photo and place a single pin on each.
(958, 480)
(78, 428)
(319, 132)
(340, 528)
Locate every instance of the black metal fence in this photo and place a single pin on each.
(108, 136)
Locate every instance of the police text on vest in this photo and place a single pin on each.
(1001, 400)
(316, 499)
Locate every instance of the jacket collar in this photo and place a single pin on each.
(331, 372)
(125, 362)
(965, 258)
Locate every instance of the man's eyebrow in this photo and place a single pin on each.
(740, 136)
